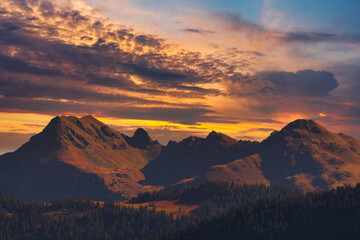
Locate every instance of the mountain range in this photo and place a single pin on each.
(83, 157)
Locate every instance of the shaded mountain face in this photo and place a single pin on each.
(306, 154)
(142, 140)
(183, 161)
(303, 153)
(245, 170)
(79, 157)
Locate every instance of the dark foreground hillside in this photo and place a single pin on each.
(244, 212)
(332, 214)
(81, 219)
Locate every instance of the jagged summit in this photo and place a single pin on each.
(75, 118)
(81, 132)
(55, 122)
(300, 129)
(90, 117)
(215, 137)
(62, 121)
(142, 140)
(212, 133)
(303, 124)
(191, 140)
(142, 137)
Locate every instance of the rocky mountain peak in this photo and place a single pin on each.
(215, 137)
(303, 124)
(141, 137)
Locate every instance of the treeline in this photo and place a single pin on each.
(215, 198)
(79, 219)
(260, 212)
(332, 214)
(83, 219)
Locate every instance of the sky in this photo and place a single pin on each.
(179, 68)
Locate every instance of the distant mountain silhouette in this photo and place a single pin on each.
(76, 157)
(303, 153)
(180, 162)
(142, 140)
(82, 157)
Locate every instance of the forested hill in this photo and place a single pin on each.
(214, 198)
(82, 219)
(79, 219)
(332, 214)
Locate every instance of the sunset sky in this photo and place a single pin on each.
(179, 68)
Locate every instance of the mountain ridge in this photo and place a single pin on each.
(303, 153)
(84, 157)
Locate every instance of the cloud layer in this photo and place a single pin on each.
(69, 60)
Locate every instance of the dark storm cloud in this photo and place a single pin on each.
(261, 120)
(76, 16)
(102, 44)
(237, 51)
(47, 8)
(150, 41)
(44, 106)
(8, 37)
(200, 90)
(308, 37)
(9, 26)
(86, 38)
(178, 115)
(306, 82)
(18, 66)
(118, 82)
(154, 73)
(251, 130)
(19, 89)
(197, 30)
